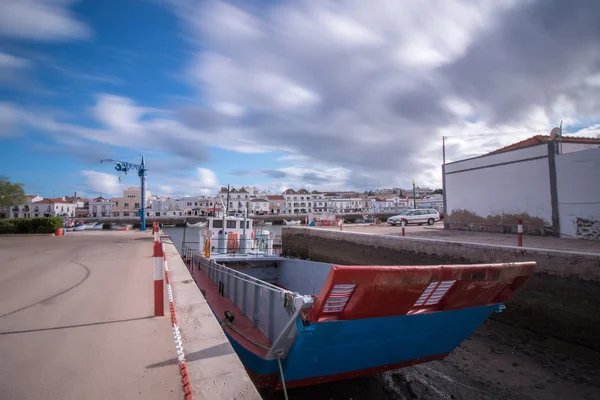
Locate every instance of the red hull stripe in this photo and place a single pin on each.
(242, 323)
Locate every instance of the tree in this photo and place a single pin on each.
(438, 191)
(11, 194)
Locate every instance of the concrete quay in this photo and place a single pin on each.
(76, 322)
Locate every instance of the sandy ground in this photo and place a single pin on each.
(437, 232)
(496, 362)
(76, 319)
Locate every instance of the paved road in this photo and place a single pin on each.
(75, 319)
(437, 232)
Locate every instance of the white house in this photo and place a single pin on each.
(100, 207)
(22, 210)
(53, 208)
(258, 206)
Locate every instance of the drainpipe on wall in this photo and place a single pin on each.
(553, 187)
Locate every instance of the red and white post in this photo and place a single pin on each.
(403, 227)
(155, 231)
(520, 233)
(159, 301)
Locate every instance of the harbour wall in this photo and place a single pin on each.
(560, 300)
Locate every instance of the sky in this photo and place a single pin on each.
(326, 95)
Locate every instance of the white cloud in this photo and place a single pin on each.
(374, 88)
(45, 20)
(102, 183)
(10, 61)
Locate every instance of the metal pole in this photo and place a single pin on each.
(443, 149)
(414, 194)
(142, 175)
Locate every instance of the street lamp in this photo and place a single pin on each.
(414, 194)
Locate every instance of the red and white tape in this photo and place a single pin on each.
(187, 387)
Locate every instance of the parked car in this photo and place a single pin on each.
(421, 216)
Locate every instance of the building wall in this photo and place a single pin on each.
(565, 148)
(490, 193)
(578, 186)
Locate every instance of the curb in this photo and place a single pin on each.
(185, 380)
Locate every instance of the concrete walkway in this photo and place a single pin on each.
(76, 319)
(437, 232)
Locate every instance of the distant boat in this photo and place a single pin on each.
(96, 227)
(80, 227)
(292, 222)
(90, 226)
(269, 223)
(196, 225)
(120, 227)
(168, 225)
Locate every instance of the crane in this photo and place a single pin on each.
(124, 166)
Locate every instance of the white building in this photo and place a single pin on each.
(276, 204)
(53, 208)
(99, 207)
(22, 210)
(551, 183)
(259, 206)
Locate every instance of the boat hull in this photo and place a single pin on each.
(338, 350)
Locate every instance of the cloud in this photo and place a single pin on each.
(44, 20)
(372, 90)
(102, 183)
(12, 68)
(203, 181)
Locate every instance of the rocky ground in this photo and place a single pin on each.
(497, 362)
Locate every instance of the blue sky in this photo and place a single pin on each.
(281, 94)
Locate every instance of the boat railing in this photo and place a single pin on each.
(259, 300)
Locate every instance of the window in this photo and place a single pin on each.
(136, 205)
(231, 224)
(217, 223)
(125, 204)
(126, 214)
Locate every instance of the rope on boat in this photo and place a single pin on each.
(282, 378)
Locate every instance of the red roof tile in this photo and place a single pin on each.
(541, 139)
(276, 197)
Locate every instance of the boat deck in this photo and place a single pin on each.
(219, 304)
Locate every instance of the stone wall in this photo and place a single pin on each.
(588, 228)
(560, 300)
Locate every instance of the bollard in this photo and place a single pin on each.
(403, 227)
(341, 223)
(520, 233)
(159, 309)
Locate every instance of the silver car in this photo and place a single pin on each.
(421, 216)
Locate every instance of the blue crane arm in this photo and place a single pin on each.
(124, 166)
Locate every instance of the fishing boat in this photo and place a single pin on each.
(196, 225)
(296, 322)
(79, 227)
(292, 222)
(95, 227)
(269, 223)
(120, 227)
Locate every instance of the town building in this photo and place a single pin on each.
(99, 207)
(259, 206)
(130, 203)
(276, 204)
(550, 182)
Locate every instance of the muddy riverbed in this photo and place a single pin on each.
(497, 362)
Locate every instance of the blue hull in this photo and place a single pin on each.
(341, 347)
